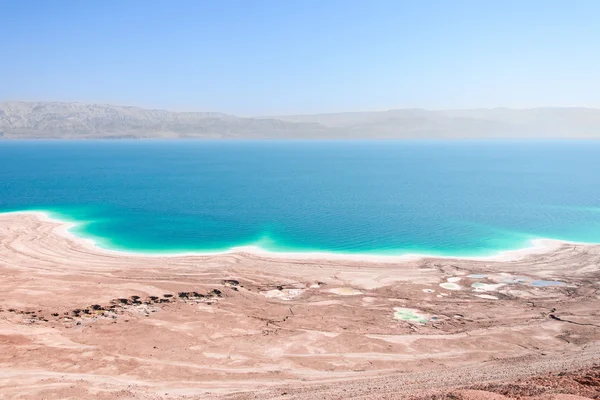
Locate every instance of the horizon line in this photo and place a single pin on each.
(297, 114)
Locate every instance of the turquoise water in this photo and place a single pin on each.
(389, 198)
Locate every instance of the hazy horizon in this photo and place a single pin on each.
(269, 58)
(383, 110)
(60, 120)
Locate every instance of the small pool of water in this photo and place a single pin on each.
(542, 283)
(477, 276)
(450, 286)
(410, 315)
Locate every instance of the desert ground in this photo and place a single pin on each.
(80, 322)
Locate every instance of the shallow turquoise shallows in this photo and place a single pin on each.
(384, 197)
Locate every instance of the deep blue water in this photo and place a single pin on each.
(385, 197)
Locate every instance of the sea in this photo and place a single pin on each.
(439, 198)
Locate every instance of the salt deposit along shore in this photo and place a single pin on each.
(80, 322)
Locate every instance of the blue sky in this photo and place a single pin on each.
(261, 57)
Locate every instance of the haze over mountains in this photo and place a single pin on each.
(59, 120)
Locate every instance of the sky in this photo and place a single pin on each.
(274, 57)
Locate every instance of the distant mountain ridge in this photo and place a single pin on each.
(61, 120)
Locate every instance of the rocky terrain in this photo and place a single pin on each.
(56, 120)
(80, 322)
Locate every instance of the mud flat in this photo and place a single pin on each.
(79, 322)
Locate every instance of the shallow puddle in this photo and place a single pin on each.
(345, 291)
(410, 315)
(542, 283)
(450, 286)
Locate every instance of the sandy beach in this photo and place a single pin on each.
(79, 322)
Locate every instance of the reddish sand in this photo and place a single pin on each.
(79, 322)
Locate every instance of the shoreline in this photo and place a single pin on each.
(78, 321)
(537, 246)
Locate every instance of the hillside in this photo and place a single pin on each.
(497, 123)
(52, 120)
(55, 120)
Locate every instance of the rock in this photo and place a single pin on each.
(183, 295)
(216, 292)
(168, 295)
(231, 282)
(588, 381)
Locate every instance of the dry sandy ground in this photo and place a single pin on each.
(78, 322)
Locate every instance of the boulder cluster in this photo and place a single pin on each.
(116, 306)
